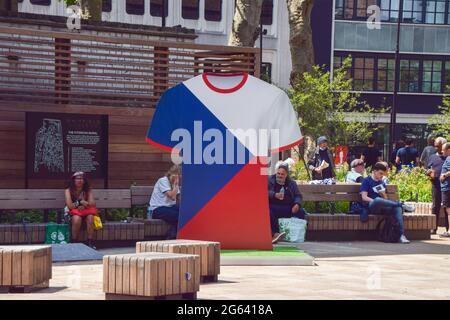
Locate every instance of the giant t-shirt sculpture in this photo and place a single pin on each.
(224, 126)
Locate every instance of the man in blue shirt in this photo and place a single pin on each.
(408, 155)
(373, 194)
(445, 178)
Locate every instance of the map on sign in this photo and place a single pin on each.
(49, 150)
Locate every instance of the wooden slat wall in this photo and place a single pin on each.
(12, 149)
(123, 78)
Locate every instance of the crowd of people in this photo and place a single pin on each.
(285, 199)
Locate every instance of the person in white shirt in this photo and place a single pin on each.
(163, 202)
(357, 169)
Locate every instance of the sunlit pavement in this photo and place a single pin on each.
(344, 270)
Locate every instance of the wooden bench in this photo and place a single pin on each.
(338, 227)
(151, 275)
(25, 268)
(45, 199)
(154, 228)
(209, 253)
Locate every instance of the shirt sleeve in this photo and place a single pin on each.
(364, 186)
(165, 121)
(284, 129)
(164, 185)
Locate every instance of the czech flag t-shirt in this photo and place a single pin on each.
(224, 127)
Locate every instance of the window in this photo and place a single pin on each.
(135, 7)
(409, 75)
(361, 7)
(190, 9)
(213, 10)
(386, 74)
(41, 2)
(413, 11)
(348, 9)
(267, 12)
(266, 72)
(390, 10)
(106, 6)
(156, 8)
(432, 76)
(447, 77)
(339, 9)
(338, 61)
(363, 77)
(435, 11)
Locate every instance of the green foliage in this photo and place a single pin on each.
(118, 214)
(440, 123)
(412, 184)
(331, 108)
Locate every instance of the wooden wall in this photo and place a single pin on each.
(130, 158)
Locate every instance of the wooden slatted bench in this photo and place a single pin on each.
(25, 268)
(154, 228)
(338, 227)
(151, 275)
(113, 233)
(209, 253)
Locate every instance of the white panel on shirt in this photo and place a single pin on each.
(257, 105)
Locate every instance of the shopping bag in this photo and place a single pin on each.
(57, 233)
(294, 229)
(98, 225)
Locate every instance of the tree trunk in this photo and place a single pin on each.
(93, 8)
(9, 5)
(302, 50)
(246, 22)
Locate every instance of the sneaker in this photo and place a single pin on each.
(446, 234)
(91, 245)
(278, 236)
(408, 207)
(403, 239)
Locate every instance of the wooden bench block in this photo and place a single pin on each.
(209, 253)
(25, 267)
(151, 275)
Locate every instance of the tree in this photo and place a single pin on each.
(92, 9)
(440, 123)
(330, 108)
(247, 17)
(300, 39)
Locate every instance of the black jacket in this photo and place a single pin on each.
(290, 186)
(315, 162)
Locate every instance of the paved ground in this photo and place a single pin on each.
(344, 270)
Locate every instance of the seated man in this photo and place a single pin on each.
(373, 194)
(285, 199)
(355, 175)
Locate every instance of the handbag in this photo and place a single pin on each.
(98, 225)
(293, 228)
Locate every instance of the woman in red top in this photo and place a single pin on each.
(81, 204)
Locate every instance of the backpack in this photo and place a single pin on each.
(388, 230)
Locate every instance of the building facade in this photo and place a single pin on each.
(340, 29)
(424, 55)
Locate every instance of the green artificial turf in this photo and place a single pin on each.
(277, 252)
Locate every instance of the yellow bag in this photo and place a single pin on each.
(98, 225)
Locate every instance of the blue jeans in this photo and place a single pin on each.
(278, 211)
(381, 206)
(169, 215)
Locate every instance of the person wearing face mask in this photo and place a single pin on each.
(321, 163)
(285, 200)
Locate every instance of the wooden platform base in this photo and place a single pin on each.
(186, 296)
(24, 289)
